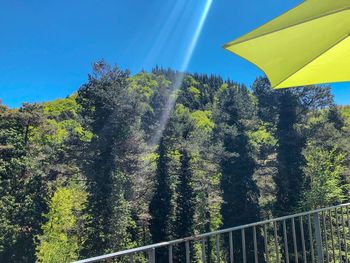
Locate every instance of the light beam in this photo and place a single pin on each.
(184, 65)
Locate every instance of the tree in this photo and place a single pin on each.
(111, 112)
(285, 114)
(116, 166)
(185, 209)
(289, 155)
(63, 233)
(178, 134)
(206, 153)
(326, 158)
(161, 205)
(153, 91)
(235, 113)
(23, 190)
(322, 184)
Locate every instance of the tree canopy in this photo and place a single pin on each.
(130, 160)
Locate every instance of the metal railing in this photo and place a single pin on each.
(315, 236)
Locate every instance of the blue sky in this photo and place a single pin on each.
(47, 47)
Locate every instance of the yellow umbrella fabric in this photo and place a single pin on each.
(309, 44)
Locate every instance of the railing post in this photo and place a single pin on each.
(203, 250)
(231, 247)
(152, 255)
(170, 252)
(243, 246)
(276, 242)
(187, 245)
(318, 238)
(218, 248)
(255, 245)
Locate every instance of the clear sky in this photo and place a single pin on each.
(47, 47)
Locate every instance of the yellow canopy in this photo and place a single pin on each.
(309, 44)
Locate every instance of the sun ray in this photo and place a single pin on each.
(191, 45)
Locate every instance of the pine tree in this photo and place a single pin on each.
(111, 112)
(161, 205)
(289, 155)
(294, 108)
(240, 206)
(185, 204)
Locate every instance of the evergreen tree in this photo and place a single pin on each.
(161, 205)
(235, 112)
(294, 109)
(185, 208)
(221, 147)
(267, 101)
(23, 190)
(289, 155)
(111, 111)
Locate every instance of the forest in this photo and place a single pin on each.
(131, 160)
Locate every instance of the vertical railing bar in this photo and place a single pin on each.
(347, 216)
(217, 248)
(203, 250)
(276, 242)
(170, 252)
(266, 245)
(344, 234)
(302, 238)
(332, 236)
(318, 237)
(311, 240)
(325, 235)
(152, 255)
(294, 242)
(243, 246)
(187, 245)
(285, 241)
(338, 232)
(231, 247)
(255, 245)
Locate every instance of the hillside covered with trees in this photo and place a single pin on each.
(129, 160)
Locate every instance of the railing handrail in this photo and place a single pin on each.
(201, 236)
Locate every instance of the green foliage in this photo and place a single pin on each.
(61, 108)
(111, 112)
(63, 121)
(203, 120)
(63, 233)
(261, 136)
(289, 154)
(130, 160)
(143, 84)
(323, 171)
(345, 110)
(161, 205)
(23, 191)
(235, 118)
(185, 209)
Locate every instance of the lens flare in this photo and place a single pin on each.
(190, 47)
(196, 35)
